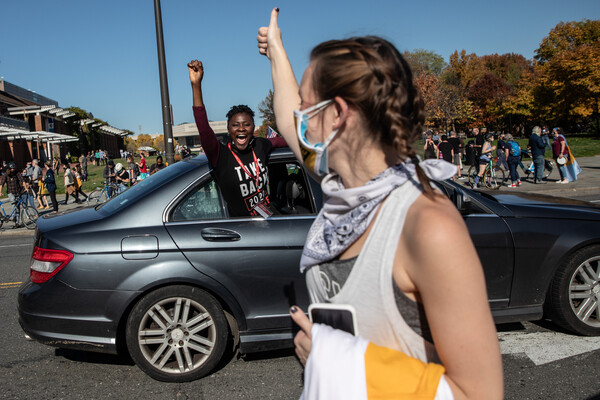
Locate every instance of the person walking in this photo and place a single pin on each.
(83, 163)
(373, 235)
(430, 148)
(142, 165)
(570, 168)
(70, 184)
(456, 149)
(502, 152)
(538, 149)
(79, 182)
(50, 184)
(513, 159)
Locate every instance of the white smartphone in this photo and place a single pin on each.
(338, 316)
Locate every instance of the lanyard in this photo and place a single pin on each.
(244, 167)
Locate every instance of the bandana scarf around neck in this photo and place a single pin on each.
(347, 213)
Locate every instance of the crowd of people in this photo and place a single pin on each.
(36, 183)
(480, 150)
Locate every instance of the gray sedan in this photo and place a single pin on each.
(162, 272)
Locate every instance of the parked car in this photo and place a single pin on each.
(162, 272)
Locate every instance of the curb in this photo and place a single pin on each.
(17, 232)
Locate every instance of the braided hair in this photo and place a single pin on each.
(370, 74)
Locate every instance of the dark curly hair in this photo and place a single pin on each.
(240, 109)
(370, 74)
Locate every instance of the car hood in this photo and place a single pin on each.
(540, 205)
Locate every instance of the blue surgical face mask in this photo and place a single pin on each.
(314, 155)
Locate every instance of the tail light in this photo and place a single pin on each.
(46, 263)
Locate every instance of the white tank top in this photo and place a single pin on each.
(369, 287)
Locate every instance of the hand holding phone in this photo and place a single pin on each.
(338, 316)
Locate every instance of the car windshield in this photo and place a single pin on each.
(144, 187)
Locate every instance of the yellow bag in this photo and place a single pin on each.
(77, 183)
(43, 190)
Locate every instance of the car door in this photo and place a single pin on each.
(255, 259)
(494, 244)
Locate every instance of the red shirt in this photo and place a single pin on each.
(143, 167)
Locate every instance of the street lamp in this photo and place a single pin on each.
(164, 87)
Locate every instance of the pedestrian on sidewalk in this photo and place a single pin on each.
(50, 183)
(79, 181)
(513, 159)
(70, 184)
(538, 149)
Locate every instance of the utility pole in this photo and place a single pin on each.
(164, 86)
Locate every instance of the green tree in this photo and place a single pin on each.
(425, 61)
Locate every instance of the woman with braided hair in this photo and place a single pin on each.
(424, 324)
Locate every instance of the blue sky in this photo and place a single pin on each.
(101, 55)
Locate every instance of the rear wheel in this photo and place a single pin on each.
(472, 174)
(177, 333)
(573, 299)
(29, 216)
(494, 178)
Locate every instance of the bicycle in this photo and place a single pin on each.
(493, 175)
(100, 195)
(21, 214)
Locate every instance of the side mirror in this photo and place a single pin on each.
(462, 201)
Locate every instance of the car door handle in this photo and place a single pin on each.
(220, 235)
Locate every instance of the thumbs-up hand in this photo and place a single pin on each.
(269, 37)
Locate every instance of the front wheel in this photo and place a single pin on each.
(97, 196)
(177, 333)
(494, 178)
(29, 216)
(573, 299)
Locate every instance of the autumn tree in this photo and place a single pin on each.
(265, 108)
(569, 72)
(144, 140)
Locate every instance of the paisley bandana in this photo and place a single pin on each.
(347, 213)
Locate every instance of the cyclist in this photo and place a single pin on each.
(15, 184)
(484, 159)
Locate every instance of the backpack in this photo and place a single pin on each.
(136, 171)
(515, 150)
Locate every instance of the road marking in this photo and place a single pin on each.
(6, 285)
(546, 347)
(16, 245)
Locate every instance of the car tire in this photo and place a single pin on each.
(573, 300)
(177, 333)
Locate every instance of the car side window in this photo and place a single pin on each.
(204, 202)
(289, 190)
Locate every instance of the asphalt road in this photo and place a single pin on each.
(539, 362)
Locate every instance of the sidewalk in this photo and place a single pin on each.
(588, 182)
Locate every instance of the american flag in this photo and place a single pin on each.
(271, 133)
